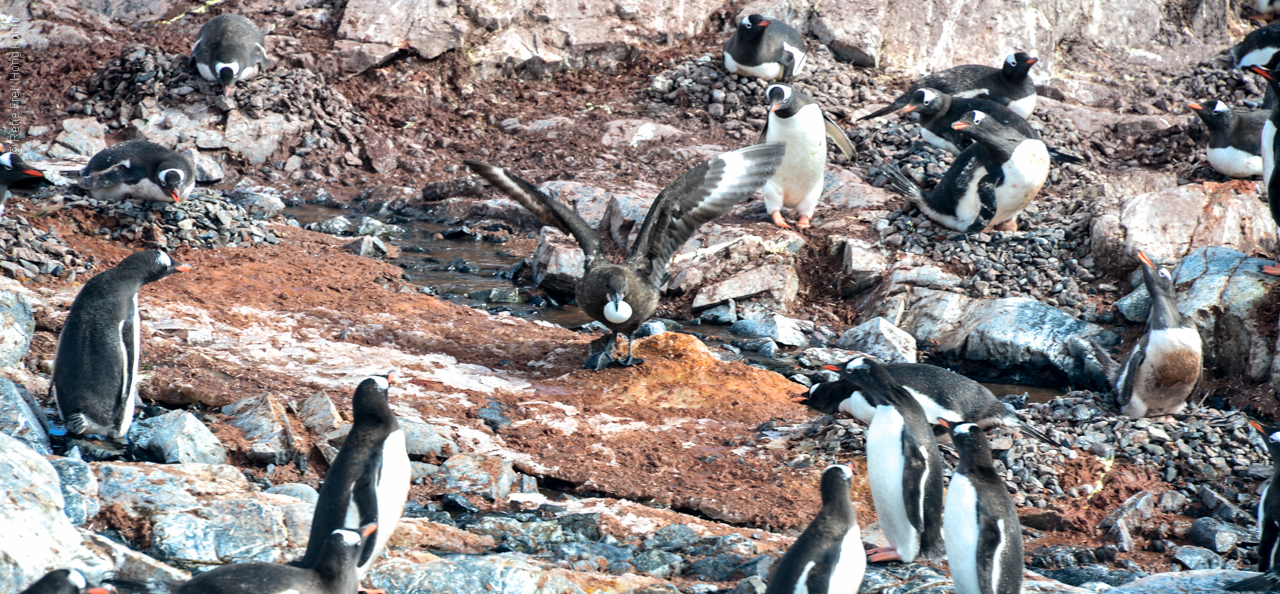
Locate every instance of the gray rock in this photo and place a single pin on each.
(228, 531)
(540, 534)
(558, 262)
(298, 490)
(650, 328)
(779, 281)
(862, 264)
(319, 414)
(424, 27)
(499, 574)
(367, 247)
(20, 422)
(636, 132)
(423, 439)
(590, 202)
(207, 169)
(852, 30)
(263, 204)
(375, 228)
(38, 534)
(1133, 511)
(256, 139)
(781, 329)
(752, 585)
(817, 357)
(177, 437)
(622, 216)
(1201, 581)
(80, 136)
(672, 536)
(265, 426)
(1173, 502)
(17, 325)
(879, 338)
(1212, 534)
(1135, 306)
(721, 315)
(79, 489)
(333, 226)
(489, 477)
(659, 564)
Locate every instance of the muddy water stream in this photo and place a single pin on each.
(457, 269)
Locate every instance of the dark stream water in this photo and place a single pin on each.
(426, 262)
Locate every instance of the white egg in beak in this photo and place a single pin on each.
(617, 312)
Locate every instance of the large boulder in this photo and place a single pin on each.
(1168, 224)
(558, 262)
(779, 281)
(500, 574)
(1198, 581)
(1221, 290)
(17, 324)
(19, 421)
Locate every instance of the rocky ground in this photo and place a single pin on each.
(693, 471)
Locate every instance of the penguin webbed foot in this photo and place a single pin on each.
(803, 223)
(599, 358)
(1272, 270)
(882, 554)
(779, 221)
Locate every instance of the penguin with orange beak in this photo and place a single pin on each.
(14, 171)
(139, 169)
(1235, 148)
(764, 48)
(1165, 365)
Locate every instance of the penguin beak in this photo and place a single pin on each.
(831, 368)
(228, 90)
(1032, 61)
(908, 109)
(1257, 425)
(945, 423)
(392, 376)
(97, 591)
(960, 125)
(1263, 71)
(764, 23)
(183, 268)
(368, 529)
(800, 399)
(174, 194)
(1145, 260)
(1195, 106)
(33, 173)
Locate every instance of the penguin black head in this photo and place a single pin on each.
(1215, 114)
(14, 170)
(370, 400)
(872, 378)
(337, 562)
(1017, 65)
(171, 176)
(927, 102)
(63, 581)
(971, 443)
(227, 76)
(785, 100)
(837, 479)
(826, 397)
(752, 26)
(150, 266)
(617, 310)
(1271, 437)
(1270, 75)
(988, 130)
(1159, 282)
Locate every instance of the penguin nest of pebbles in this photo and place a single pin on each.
(144, 80)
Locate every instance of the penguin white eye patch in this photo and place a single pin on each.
(1275, 437)
(1219, 107)
(181, 175)
(746, 21)
(163, 260)
(349, 537)
(845, 470)
(7, 159)
(1165, 273)
(964, 428)
(1012, 60)
(928, 95)
(978, 117)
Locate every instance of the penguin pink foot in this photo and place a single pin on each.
(781, 222)
(881, 554)
(803, 223)
(1271, 269)
(372, 591)
(1009, 226)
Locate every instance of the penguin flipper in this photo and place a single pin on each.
(987, 204)
(1267, 543)
(915, 464)
(120, 173)
(1124, 384)
(1064, 158)
(1267, 582)
(837, 135)
(763, 130)
(364, 494)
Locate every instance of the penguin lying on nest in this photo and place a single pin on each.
(228, 49)
(624, 296)
(1235, 137)
(764, 48)
(14, 171)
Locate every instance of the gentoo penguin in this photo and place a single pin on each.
(13, 170)
(763, 48)
(334, 571)
(1165, 365)
(64, 581)
(368, 482)
(942, 393)
(1235, 138)
(828, 557)
(623, 296)
(1270, 148)
(95, 370)
(938, 111)
(228, 49)
(984, 539)
(798, 122)
(1008, 85)
(906, 478)
(139, 169)
(1258, 48)
(988, 184)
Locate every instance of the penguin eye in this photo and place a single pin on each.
(1275, 437)
(1219, 107)
(746, 22)
(1012, 60)
(928, 96)
(1165, 274)
(978, 117)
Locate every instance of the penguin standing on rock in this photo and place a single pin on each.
(1270, 153)
(906, 477)
(1008, 85)
(988, 184)
(624, 296)
(13, 170)
(62, 581)
(797, 121)
(334, 571)
(139, 169)
(228, 49)
(1268, 521)
(828, 557)
(95, 370)
(1164, 366)
(368, 482)
(938, 111)
(1235, 138)
(983, 537)
(942, 393)
(764, 48)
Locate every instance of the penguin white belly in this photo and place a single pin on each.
(932, 410)
(884, 445)
(1234, 162)
(797, 57)
(767, 71)
(966, 209)
(799, 176)
(393, 490)
(1024, 175)
(857, 406)
(851, 567)
(1024, 106)
(1268, 151)
(1262, 506)
(937, 141)
(1168, 373)
(145, 189)
(960, 531)
(971, 93)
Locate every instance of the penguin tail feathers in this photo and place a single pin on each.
(886, 110)
(1033, 432)
(1064, 158)
(903, 184)
(76, 423)
(1267, 582)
